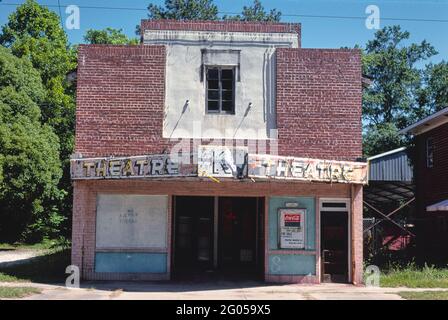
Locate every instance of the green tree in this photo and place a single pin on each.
(256, 12)
(108, 36)
(34, 32)
(392, 102)
(29, 155)
(207, 10)
(435, 94)
(184, 10)
(381, 138)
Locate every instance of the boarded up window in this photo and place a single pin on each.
(131, 221)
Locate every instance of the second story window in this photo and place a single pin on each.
(220, 94)
(429, 152)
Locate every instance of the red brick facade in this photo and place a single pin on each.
(319, 103)
(120, 94)
(120, 112)
(120, 102)
(84, 212)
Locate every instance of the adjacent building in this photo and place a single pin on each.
(431, 179)
(218, 148)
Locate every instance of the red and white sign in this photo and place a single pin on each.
(292, 228)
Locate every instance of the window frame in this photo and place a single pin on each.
(429, 156)
(220, 90)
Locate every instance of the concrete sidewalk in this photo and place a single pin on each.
(219, 290)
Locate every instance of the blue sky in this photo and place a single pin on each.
(317, 32)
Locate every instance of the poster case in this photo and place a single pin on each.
(291, 228)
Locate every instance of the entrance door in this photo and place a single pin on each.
(217, 238)
(193, 241)
(335, 240)
(238, 244)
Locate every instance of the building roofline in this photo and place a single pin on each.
(427, 123)
(220, 25)
(387, 153)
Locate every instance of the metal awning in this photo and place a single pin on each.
(439, 206)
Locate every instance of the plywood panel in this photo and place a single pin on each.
(131, 221)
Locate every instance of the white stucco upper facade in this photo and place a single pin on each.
(252, 56)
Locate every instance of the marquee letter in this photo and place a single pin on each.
(115, 167)
(88, 166)
(128, 169)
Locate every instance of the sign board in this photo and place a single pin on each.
(221, 161)
(291, 168)
(292, 228)
(149, 166)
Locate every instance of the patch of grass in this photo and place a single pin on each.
(49, 267)
(8, 278)
(424, 295)
(17, 292)
(412, 276)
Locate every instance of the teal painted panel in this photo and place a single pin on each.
(292, 264)
(304, 202)
(132, 262)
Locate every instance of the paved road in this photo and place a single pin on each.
(220, 290)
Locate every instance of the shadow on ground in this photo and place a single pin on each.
(174, 286)
(50, 269)
(47, 268)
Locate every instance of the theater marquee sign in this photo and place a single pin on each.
(149, 166)
(220, 163)
(291, 168)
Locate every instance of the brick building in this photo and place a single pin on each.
(218, 148)
(431, 180)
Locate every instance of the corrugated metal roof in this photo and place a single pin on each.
(390, 166)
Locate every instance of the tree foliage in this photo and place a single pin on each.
(207, 10)
(256, 12)
(381, 138)
(396, 78)
(435, 94)
(108, 36)
(30, 168)
(33, 33)
(396, 97)
(184, 10)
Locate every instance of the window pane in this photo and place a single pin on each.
(212, 74)
(213, 94)
(430, 152)
(227, 84)
(212, 105)
(220, 86)
(227, 106)
(227, 74)
(227, 95)
(213, 84)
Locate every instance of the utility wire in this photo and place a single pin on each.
(239, 13)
